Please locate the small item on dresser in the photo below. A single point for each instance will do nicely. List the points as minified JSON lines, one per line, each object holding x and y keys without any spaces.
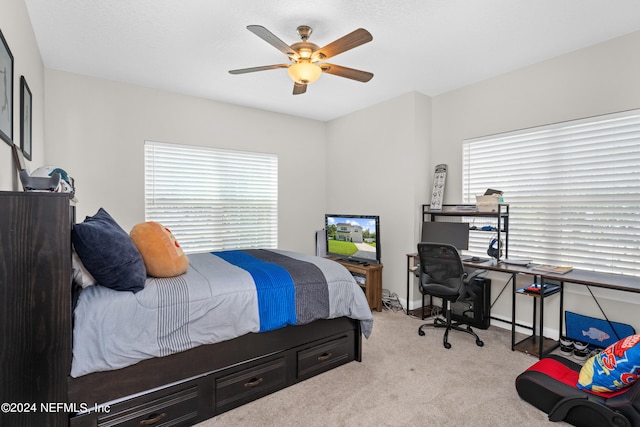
{"x":65,"y":184}
{"x":31,"y":183}
{"x":45,"y":178}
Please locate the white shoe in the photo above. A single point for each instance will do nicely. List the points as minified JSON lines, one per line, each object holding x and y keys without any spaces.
{"x":566,"y":346}
{"x":581,"y":351}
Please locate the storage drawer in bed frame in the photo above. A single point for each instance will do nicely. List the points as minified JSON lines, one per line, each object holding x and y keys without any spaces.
{"x":179,"y":408}
{"x":178,"y":405}
{"x":210,"y":394}
{"x":250,"y":383}
{"x":322,"y":357}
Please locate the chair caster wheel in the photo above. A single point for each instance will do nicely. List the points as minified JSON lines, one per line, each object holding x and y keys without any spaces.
{"x":479,"y":343}
{"x":420,"y":332}
{"x":447,"y":345}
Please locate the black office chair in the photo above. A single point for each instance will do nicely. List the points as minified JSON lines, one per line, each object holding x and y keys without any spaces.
{"x":442,"y":275}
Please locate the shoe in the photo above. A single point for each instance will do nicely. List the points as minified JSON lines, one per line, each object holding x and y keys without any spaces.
{"x":566,"y":346}
{"x":581,"y":351}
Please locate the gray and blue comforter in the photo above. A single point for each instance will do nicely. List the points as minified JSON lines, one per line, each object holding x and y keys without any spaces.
{"x":223,"y":295}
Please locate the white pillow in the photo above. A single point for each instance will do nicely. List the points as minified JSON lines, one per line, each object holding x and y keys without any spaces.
{"x":81,"y":275}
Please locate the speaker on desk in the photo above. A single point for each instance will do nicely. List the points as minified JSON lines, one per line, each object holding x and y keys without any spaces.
{"x":321,"y":243}
{"x":476,"y":311}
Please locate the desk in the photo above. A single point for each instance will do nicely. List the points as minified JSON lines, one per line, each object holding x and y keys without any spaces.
{"x":587,"y":278}
{"x":535,"y":344}
{"x":538,"y":345}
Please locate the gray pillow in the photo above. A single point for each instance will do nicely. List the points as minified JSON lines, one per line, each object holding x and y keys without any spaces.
{"x":108,"y":253}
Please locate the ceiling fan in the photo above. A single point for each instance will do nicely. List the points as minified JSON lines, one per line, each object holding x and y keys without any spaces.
{"x":306,"y":66}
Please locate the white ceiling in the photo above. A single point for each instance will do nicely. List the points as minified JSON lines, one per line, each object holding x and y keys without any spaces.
{"x":429,"y":46}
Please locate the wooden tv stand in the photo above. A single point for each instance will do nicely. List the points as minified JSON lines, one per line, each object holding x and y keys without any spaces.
{"x":372,"y":276}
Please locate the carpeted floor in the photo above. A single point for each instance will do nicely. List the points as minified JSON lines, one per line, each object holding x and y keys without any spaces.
{"x":406,"y":380}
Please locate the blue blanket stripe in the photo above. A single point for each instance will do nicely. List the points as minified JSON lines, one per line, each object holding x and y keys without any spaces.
{"x":275,"y":288}
{"x":312,"y":290}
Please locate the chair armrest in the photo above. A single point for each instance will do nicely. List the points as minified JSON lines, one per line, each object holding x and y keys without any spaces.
{"x":468,"y":277}
{"x":594,"y":403}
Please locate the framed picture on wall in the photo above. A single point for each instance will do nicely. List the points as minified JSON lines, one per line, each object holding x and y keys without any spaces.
{"x":18,"y":158}
{"x":6,"y":91}
{"x":25,"y":118}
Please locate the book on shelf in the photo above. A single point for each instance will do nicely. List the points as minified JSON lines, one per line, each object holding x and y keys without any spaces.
{"x":549,"y":268}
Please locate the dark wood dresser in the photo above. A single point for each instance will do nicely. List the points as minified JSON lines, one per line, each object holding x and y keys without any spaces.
{"x":35,"y":307}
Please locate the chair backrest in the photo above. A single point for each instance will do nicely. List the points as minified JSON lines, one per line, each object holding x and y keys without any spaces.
{"x":441,"y":268}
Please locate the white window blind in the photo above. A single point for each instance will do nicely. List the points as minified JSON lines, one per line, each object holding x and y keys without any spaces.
{"x":573,"y":190}
{"x":212,"y":199}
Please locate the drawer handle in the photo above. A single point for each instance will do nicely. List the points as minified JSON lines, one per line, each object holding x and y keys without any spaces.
{"x":324,"y":356}
{"x":149,"y":421}
{"x":254,"y":382}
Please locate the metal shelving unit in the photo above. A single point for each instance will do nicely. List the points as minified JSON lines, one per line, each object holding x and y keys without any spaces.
{"x":481,"y":223}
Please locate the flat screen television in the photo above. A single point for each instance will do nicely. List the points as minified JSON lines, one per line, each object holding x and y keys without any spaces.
{"x":354,"y":238}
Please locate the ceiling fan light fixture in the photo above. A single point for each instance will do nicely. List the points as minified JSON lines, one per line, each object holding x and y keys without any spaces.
{"x":306,"y":58}
{"x":305,"y":53}
{"x":304,"y":72}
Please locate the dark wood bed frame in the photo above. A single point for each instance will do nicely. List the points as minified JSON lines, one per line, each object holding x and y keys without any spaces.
{"x":180,"y":389}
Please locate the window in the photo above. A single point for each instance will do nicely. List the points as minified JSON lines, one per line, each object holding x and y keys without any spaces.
{"x":573,"y":190}
{"x":212,"y":199}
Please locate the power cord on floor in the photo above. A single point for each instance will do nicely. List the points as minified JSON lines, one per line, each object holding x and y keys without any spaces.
{"x":432,"y":311}
{"x":390,"y":301}
{"x":436,"y":311}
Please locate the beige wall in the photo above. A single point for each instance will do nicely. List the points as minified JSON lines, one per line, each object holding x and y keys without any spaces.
{"x":17,"y":31}
{"x":97,"y":128}
{"x":377,"y":165}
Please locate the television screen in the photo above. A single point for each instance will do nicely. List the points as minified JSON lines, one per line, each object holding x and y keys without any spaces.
{"x":353,"y":238}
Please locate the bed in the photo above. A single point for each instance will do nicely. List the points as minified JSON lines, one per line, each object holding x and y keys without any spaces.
{"x":49,"y":368}
{"x":234,"y":326}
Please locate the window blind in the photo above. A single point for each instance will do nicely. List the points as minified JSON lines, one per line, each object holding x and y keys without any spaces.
{"x":573,"y":190}
{"x":212,"y":199}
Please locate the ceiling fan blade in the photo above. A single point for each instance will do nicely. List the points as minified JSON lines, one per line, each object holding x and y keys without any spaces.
{"x":350,"y":73}
{"x":253,"y":69}
{"x":271,"y":38}
{"x":299,"y":88}
{"x":343,"y":44}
